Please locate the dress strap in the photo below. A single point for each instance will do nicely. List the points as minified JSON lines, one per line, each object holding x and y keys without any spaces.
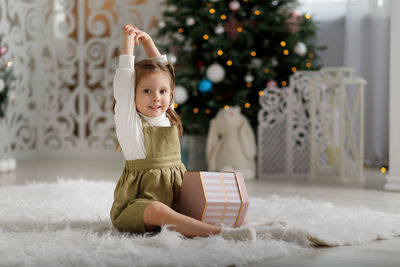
{"x":144,"y":122}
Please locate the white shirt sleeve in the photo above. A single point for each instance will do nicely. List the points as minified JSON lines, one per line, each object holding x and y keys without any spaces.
{"x":127,"y":120}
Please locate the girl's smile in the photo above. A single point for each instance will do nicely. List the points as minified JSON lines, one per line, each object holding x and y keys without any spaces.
{"x":153,"y":94}
{"x":154,"y":108}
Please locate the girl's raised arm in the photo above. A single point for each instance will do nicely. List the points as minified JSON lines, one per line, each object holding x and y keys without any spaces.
{"x":148,"y":44}
{"x":124,"y":93}
{"x":129,"y":38}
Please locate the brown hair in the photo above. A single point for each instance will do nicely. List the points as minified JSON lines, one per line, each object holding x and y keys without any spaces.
{"x":147,"y":66}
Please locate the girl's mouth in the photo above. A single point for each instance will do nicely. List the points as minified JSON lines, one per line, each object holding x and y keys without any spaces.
{"x":154,"y":108}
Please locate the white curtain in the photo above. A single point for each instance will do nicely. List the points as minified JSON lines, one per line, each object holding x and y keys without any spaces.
{"x":356,"y":33}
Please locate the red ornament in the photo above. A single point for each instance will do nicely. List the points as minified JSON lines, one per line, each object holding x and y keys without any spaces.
{"x":293,"y":22}
{"x":199,"y":64}
{"x":231,"y":27}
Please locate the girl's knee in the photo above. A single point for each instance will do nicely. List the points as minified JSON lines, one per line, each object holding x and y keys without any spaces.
{"x":157,"y":208}
{"x":155,"y":214}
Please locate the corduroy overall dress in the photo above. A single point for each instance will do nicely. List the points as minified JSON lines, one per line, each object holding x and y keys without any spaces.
{"x":158,"y":177}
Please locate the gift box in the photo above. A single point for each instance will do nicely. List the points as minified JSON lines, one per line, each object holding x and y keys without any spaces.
{"x":217,"y":198}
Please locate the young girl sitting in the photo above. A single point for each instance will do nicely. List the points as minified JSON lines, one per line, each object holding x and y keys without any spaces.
{"x":146,"y":196}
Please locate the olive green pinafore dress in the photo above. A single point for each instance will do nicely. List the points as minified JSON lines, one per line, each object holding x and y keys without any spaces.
{"x":158,"y":177}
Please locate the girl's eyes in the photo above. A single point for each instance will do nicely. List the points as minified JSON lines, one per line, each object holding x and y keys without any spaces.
{"x":147,"y":91}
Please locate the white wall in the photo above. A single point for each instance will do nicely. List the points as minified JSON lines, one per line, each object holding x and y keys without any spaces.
{"x":356,"y":34}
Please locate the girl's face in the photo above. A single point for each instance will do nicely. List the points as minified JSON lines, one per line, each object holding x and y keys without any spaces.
{"x":153,"y":94}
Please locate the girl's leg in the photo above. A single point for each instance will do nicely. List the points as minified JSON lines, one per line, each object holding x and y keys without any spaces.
{"x":158,"y":214}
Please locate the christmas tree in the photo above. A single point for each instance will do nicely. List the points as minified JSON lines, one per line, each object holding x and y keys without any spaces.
{"x":6,"y":77}
{"x":226,"y":52}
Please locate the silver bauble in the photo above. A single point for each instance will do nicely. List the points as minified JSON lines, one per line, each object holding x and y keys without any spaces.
{"x":181,"y":94}
{"x":215,"y":73}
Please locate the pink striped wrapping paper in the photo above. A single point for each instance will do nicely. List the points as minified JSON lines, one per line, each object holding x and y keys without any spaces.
{"x":218,"y":198}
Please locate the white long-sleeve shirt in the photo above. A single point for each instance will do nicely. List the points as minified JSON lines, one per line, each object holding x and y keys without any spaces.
{"x":127,"y":119}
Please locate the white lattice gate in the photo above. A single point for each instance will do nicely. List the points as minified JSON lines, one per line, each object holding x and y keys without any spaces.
{"x":285,"y":140}
{"x":283,"y":129}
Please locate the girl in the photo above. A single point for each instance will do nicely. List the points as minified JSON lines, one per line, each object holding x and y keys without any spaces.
{"x":146,"y":196}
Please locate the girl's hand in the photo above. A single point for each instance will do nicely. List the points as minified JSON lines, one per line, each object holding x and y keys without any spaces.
{"x":140,"y":36}
{"x":133,"y":36}
{"x":129,"y":31}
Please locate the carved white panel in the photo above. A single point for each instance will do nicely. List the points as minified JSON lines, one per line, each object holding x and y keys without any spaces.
{"x":284,"y":128}
{"x":65,"y":53}
{"x":313,"y":126}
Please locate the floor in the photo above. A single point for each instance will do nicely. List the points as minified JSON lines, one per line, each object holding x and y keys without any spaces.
{"x":368,"y":194}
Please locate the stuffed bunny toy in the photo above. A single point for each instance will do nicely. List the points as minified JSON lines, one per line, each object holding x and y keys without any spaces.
{"x":231,"y":144}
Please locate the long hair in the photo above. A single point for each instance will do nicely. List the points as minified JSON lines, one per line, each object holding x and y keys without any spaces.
{"x":145,"y":67}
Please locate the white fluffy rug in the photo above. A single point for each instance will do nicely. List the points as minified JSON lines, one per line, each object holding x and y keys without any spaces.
{"x":67,"y":224}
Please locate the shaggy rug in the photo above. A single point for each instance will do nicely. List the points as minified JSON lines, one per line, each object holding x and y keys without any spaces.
{"x":67,"y":224}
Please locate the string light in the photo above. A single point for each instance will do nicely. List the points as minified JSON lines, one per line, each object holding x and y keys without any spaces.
{"x":308,"y":64}
{"x":205,"y":37}
{"x":283,"y":83}
{"x":311,"y":55}
{"x":223,"y":17}
{"x":253,"y":53}
{"x":208,"y":4}
{"x":260,"y":93}
{"x":294,"y":69}
{"x":307,"y":16}
{"x":195,"y":110}
{"x":239,"y":29}
{"x":175,"y":105}
{"x":249,"y":85}
{"x":220,"y":52}
{"x":283,"y":43}
{"x":212,"y":10}
{"x":180,"y":30}
{"x":266,"y":70}
{"x":208,"y":111}
{"x":9,"y":64}
{"x":247,"y":105}
{"x":226,"y":107}
{"x":257,"y":12}
{"x":286,"y":52}
{"x":383,"y":169}
{"x":229,"y":63}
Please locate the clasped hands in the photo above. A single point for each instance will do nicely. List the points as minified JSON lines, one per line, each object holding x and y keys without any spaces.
{"x":136,"y":34}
